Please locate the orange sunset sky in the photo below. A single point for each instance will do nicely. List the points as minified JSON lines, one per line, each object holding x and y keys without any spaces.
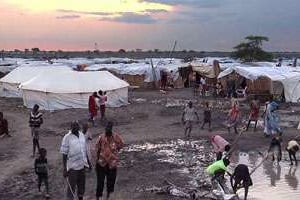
{"x":147,"y":24}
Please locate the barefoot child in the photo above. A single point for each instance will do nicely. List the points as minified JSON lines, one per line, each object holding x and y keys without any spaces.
{"x":292,"y":149}
{"x":35,"y":121}
{"x":188,"y":118}
{"x":41,"y":169}
{"x":206,"y":116}
{"x":241,"y":179}
{"x":220,"y":145}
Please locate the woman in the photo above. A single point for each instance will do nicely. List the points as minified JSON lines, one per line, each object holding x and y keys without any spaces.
{"x":234,"y":117}
{"x":254,"y":113}
{"x":107,"y":148}
{"x":93,"y":107}
{"x":271,"y":120}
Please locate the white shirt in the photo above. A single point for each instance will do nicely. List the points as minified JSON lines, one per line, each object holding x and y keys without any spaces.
{"x":75,"y":149}
{"x":292,"y":144}
{"x":189,"y":114}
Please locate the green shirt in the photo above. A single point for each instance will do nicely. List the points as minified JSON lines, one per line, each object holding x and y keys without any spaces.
{"x":215,"y":167}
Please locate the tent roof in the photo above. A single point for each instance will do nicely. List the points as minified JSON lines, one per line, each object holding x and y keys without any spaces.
{"x":252,"y":73}
{"x":22,"y":74}
{"x":74,"y":82}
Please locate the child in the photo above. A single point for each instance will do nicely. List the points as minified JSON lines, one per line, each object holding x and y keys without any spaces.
{"x":241,"y":178}
{"x":41,"y":169}
{"x":93,"y":107}
{"x":292,"y":149}
{"x":220,"y":145}
{"x":187,"y":118}
{"x":102,"y":100}
{"x":275,"y":149}
{"x":35,"y":121}
{"x":207,"y":116}
{"x":217,"y":170}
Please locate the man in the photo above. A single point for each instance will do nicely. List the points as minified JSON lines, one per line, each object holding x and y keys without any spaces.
{"x":292,"y":148}
{"x":275,"y":149}
{"x":188,"y":118}
{"x":107,"y":148}
{"x":254,"y":112}
{"x":241,"y":179}
{"x":73,"y":148}
{"x":35,"y":122}
{"x":220,"y":145}
{"x":3,"y":126}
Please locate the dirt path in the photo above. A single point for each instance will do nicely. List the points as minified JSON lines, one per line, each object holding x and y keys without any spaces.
{"x":140,"y":122}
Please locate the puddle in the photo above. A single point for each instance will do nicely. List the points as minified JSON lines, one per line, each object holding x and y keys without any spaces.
{"x":271,"y":181}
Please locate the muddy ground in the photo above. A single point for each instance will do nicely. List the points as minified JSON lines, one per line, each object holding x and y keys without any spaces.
{"x":151,"y":117}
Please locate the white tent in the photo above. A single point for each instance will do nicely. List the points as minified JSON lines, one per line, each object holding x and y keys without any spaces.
{"x":9,"y":84}
{"x":288,"y":76}
{"x":71,"y":89}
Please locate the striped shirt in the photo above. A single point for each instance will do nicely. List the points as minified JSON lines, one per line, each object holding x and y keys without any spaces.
{"x":35,"y":119}
{"x":75,"y":149}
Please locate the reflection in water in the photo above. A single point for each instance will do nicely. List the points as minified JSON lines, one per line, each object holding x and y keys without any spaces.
{"x":291,"y":178}
{"x":273,"y":172}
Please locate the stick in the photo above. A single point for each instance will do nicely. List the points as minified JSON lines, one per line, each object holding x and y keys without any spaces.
{"x":233,"y":144}
{"x":72,"y":192}
{"x":262,"y":161}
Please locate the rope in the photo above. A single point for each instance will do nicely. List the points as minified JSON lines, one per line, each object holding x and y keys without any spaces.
{"x":234,"y":143}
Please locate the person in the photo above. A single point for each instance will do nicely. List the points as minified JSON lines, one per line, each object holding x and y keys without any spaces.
{"x":102,"y":101}
{"x":203,"y":85}
{"x":35,"y":122}
{"x":217,"y":170}
{"x":241,"y":178}
{"x":3,"y":126}
{"x":88,"y":141}
{"x":220,"y":145}
{"x":172,"y":76}
{"x":231,"y":88}
{"x":219,"y":89}
{"x":275,"y":148}
{"x":234,"y":117}
{"x":206,"y":116}
{"x":73,"y":149}
{"x":188,"y":118}
{"x":271,"y":119}
{"x":254,"y":112}
{"x":163,"y":79}
{"x":107,"y":148}
{"x":93,"y":107}
{"x":292,"y":148}
{"x":41,"y":170}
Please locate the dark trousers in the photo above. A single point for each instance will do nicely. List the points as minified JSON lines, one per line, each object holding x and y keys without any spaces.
{"x":43,"y":178}
{"x":292,"y":154}
{"x":219,"y":155}
{"x":36,"y":144}
{"x":76,"y":179}
{"x":110,"y":174}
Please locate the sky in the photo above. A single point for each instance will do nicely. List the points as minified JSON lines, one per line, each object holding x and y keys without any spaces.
{"x":203,"y":25}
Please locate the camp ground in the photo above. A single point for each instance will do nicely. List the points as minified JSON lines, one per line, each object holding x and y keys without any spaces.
{"x":157,"y":161}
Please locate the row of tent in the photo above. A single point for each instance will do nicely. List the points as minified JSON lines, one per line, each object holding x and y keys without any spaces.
{"x":60,"y":87}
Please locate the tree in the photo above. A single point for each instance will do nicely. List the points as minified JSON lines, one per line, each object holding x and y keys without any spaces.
{"x":251,"y":49}
{"x":122,"y":51}
{"x":35,"y":49}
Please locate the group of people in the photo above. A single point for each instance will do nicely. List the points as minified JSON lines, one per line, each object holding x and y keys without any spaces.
{"x":167,"y":79}
{"x":75,"y":152}
{"x":97,"y":102}
{"x":240,"y":178}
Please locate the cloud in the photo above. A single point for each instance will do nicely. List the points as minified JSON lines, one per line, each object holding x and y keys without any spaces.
{"x":194,"y":3}
{"x":84,"y":12}
{"x":131,"y":18}
{"x":68,"y":17}
{"x":155,"y":11}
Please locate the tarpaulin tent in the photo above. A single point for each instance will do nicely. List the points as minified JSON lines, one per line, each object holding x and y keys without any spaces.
{"x":71,"y":89}
{"x":288,"y":76}
{"x":9,"y":84}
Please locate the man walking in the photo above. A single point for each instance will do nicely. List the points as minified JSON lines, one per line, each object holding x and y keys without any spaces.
{"x":73,"y":148}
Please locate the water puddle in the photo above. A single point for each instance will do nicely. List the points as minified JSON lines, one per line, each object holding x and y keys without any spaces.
{"x":271,"y":181}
